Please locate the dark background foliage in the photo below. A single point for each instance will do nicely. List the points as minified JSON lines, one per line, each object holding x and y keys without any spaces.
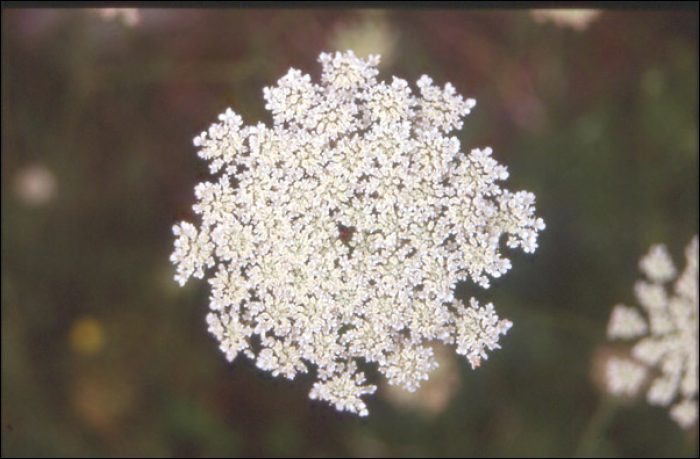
{"x":103,"y":353}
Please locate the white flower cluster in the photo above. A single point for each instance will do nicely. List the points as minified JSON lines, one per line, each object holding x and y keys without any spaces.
{"x":667,"y":349}
{"x":338,"y":234}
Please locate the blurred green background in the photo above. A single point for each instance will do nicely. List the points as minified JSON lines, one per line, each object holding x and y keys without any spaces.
{"x":104,"y":355}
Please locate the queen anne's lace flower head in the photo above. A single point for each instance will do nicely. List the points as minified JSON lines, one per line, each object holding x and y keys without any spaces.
{"x":667,"y":346}
{"x":338,"y":234}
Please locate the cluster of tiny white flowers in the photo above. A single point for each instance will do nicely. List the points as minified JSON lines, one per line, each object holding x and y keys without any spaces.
{"x":667,"y":349}
{"x":338,"y":234}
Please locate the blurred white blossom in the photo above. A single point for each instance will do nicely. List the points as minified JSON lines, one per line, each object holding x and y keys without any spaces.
{"x":130,"y":16}
{"x":35,"y":185}
{"x":667,"y":334}
{"x":434,"y":395}
{"x":577,"y":19}
{"x":337,"y":235}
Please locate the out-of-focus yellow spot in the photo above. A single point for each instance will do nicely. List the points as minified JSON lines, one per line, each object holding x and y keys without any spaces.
{"x":369,"y":33}
{"x":87,"y":336}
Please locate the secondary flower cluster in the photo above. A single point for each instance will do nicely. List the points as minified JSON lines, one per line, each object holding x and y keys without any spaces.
{"x":667,"y":346}
{"x":337,"y":235}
